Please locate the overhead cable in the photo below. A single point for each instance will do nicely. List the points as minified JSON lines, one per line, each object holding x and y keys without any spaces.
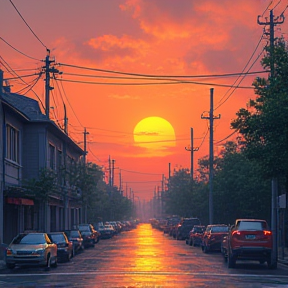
{"x":157,"y":76}
{"x":19,"y":50}
{"x":28,"y":25}
{"x":153,"y":83}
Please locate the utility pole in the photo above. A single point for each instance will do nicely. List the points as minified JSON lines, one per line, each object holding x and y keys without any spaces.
{"x":109,"y":171}
{"x":192,"y":149}
{"x":272,"y":23}
{"x":211,"y":118}
{"x":113,"y":168}
{"x":65,"y":120}
{"x":48,"y":70}
{"x":120,"y":183}
{"x":85,"y":142}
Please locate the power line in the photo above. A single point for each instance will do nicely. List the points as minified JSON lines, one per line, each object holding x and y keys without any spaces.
{"x":19,"y":50}
{"x":140,"y":172}
{"x":226,"y":137}
{"x":221,"y":103}
{"x":157,"y":76}
{"x":153,"y":83}
{"x":28,"y":25}
{"x":71,"y":105}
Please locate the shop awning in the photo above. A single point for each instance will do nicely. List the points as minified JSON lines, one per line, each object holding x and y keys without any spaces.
{"x":19,"y":201}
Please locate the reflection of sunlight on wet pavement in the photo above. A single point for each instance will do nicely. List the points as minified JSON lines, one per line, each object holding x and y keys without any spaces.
{"x":148,"y":251}
{"x":148,"y":258}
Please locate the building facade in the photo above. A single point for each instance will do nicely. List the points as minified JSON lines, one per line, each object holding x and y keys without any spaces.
{"x":35,"y":158}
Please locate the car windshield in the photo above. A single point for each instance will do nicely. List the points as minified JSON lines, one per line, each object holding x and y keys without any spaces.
{"x":74,"y":234}
{"x":198,"y":229}
{"x":57,"y":238}
{"x":251,"y":225}
{"x":29,"y":239}
{"x":220,"y":229}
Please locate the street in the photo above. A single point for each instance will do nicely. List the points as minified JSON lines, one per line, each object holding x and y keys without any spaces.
{"x":145,"y":257}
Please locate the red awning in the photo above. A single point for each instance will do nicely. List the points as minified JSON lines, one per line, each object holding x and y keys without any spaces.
{"x":19,"y":201}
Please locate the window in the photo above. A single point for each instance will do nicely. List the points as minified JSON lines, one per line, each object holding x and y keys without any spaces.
{"x":51,"y":154}
{"x":12,"y":143}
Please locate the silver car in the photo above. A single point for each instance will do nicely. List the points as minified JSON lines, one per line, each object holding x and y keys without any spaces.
{"x":31,"y":249}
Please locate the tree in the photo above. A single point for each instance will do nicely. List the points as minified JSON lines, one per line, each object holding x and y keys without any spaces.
{"x":44,"y":186}
{"x":264,"y":124}
{"x":239,"y":188}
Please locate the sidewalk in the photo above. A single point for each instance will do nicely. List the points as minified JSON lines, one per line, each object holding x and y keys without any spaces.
{"x":283,"y":256}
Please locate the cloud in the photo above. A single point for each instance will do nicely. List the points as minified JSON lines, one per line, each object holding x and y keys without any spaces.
{"x":113,"y":46}
{"x":123,"y":97}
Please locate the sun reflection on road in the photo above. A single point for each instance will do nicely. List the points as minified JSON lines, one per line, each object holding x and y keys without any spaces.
{"x":148,"y":254}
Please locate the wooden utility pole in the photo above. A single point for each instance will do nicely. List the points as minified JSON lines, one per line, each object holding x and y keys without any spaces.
{"x":85,"y":142}
{"x":211,"y":118}
{"x":192,"y":149}
{"x":274,"y":188}
{"x":48,"y":70}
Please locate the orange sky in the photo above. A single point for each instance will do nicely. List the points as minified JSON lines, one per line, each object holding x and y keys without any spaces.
{"x":159,"y":37}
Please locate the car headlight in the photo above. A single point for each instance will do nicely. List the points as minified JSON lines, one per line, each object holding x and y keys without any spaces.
{"x":39,"y":251}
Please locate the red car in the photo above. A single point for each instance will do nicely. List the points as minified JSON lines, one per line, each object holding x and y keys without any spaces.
{"x":250,"y":239}
{"x":196,"y":235}
{"x":212,"y":237}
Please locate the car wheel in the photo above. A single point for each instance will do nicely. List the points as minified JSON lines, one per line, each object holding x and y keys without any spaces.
{"x":73,"y":252}
{"x":231,"y":259}
{"x":69,"y":256}
{"x":48,"y":262}
{"x":10,"y":265}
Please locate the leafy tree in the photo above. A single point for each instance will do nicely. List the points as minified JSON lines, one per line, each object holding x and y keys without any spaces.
{"x":239,"y":188}
{"x":44,"y":186}
{"x":264,"y":124}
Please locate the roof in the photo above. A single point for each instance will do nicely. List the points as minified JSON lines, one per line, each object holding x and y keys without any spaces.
{"x":31,"y":110}
{"x":27,"y":106}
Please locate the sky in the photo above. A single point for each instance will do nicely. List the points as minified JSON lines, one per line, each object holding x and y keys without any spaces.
{"x":120,"y":64}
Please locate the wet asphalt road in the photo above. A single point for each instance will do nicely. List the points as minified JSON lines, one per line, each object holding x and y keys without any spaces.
{"x":144,"y":257}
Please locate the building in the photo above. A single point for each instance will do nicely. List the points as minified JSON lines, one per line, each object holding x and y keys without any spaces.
{"x":35,"y":159}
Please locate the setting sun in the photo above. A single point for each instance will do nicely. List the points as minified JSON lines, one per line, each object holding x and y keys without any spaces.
{"x":155,"y":134}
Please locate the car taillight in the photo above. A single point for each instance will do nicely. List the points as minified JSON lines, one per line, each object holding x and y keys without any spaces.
{"x":267,"y":233}
{"x":236,"y":233}
{"x":8,"y":252}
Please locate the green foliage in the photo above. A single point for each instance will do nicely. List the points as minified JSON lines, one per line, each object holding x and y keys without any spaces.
{"x":185,"y":198}
{"x":44,"y":186}
{"x":264,"y":124}
{"x":239,"y":190}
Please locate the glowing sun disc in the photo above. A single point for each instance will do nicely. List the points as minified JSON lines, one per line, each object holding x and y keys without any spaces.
{"x":155,"y":134}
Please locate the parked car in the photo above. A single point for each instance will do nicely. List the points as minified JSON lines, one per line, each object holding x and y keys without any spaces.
{"x":212,"y":237}
{"x":172,"y":221}
{"x":107,"y":231}
{"x":250,"y":239}
{"x":31,"y":249}
{"x":89,"y":234}
{"x":76,"y":238}
{"x":185,"y":226}
{"x":196,"y":235}
{"x":64,"y":246}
